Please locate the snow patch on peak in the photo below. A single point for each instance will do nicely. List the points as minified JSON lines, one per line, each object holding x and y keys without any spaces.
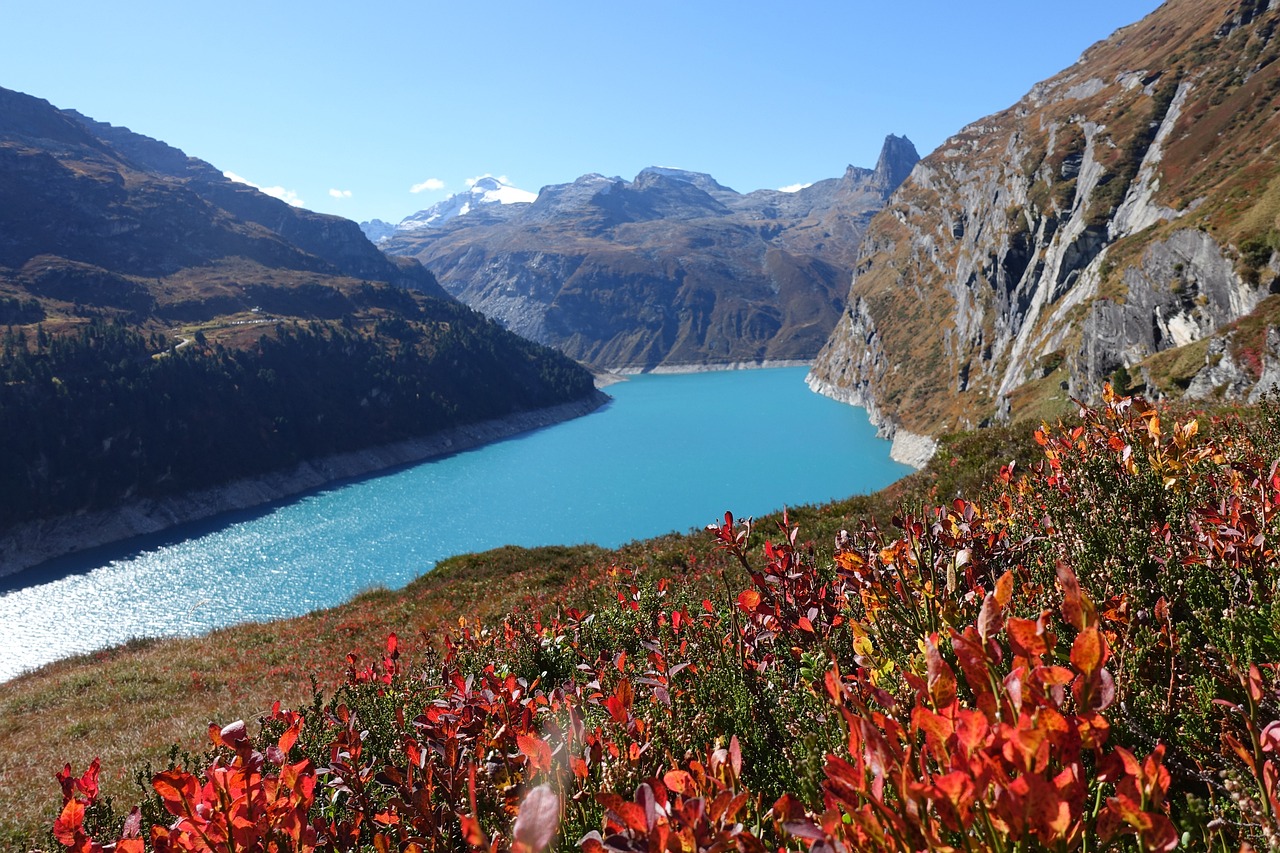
{"x":481,"y":191}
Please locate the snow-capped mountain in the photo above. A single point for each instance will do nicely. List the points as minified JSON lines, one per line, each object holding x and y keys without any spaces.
{"x":485,"y":191}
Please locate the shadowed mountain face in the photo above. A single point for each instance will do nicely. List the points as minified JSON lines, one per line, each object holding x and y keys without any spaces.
{"x":165,"y":329}
{"x":1119,"y":222}
{"x":668,"y":269}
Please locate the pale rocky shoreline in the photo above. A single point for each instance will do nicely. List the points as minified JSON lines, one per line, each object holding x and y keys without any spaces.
{"x":710,"y":368}
{"x":909,"y":448}
{"x":30,"y":544}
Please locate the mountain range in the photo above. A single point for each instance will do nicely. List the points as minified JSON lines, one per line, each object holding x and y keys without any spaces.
{"x":1120,"y":222}
{"x":670,"y":269}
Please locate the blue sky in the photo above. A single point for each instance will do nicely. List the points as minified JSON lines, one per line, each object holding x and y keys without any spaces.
{"x":348,"y":106}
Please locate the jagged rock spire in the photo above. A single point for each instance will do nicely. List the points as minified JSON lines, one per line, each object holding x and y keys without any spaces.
{"x":898,"y":157}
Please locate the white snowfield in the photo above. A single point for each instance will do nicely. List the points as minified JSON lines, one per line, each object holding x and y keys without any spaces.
{"x":486,"y":190}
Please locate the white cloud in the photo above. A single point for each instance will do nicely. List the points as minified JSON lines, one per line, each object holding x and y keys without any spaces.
{"x":340,"y":193}
{"x":794,"y":188}
{"x":287,"y":196}
{"x":502,"y":179}
{"x":429,"y":185}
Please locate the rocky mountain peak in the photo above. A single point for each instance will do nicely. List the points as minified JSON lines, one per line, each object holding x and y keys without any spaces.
{"x":898,"y":156}
{"x":486,"y":184}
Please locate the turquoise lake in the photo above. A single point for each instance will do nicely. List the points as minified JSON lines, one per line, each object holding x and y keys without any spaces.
{"x":671,"y":452}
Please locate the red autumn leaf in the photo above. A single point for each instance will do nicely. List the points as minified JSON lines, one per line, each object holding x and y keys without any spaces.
{"x":537,"y":750}
{"x":88,"y":783}
{"x":130,"y":845}
{"x":1077,"y":609}
{"x":1161,"y":836}
{"x":991,"y":619}
{"x":805,"y":625}
{"x":393,"y":646}
{"x":680,"y":782}
{"x":67,"y":781}
{"x":472,"y":831}
{"x":835,"y":690}
{"x":937,"y":728}
{"x":132,"y":824}
{"x":788,"y":807}
{"x":749,"y":600}
{"x":632,"y":815}
{"x":289,"y":737}
{"x":942,"y":681}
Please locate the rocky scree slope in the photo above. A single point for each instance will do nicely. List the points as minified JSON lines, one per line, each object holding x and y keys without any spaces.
{"x":670,"y":269}
{"x":1121,"y":221}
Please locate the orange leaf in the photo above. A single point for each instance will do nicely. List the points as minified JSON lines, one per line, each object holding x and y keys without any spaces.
{"x":1004,"y":589}
{"x":1026,"y":639}
{"x":680,"y":782}
{"x":69,"y":822}
{"x":1089,"y":651}
{"x":749,"y":600}
{"x":177,"y":787}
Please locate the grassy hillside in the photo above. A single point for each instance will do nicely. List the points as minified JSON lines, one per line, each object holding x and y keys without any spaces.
{"x":1062,"y":641}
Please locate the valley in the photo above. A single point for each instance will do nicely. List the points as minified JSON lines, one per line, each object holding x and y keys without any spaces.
{"x":242,"y":612}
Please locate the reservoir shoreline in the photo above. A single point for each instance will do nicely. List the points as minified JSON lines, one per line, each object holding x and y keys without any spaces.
{"x":32,"y":543}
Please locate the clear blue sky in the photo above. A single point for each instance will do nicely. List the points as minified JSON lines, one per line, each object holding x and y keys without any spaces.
{"x":369,"y":99}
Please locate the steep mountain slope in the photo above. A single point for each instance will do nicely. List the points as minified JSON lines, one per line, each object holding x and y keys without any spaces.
{"x":1119,"y":220}
{"x":166,"y":329}
{"x":669,"y":269}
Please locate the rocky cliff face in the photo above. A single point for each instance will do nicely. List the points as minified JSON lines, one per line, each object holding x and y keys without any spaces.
{"x":671,"y":268}
{"x":1118,"y":214}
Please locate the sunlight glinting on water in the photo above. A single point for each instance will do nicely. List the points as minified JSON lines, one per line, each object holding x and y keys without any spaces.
{"x":671,"y":453}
